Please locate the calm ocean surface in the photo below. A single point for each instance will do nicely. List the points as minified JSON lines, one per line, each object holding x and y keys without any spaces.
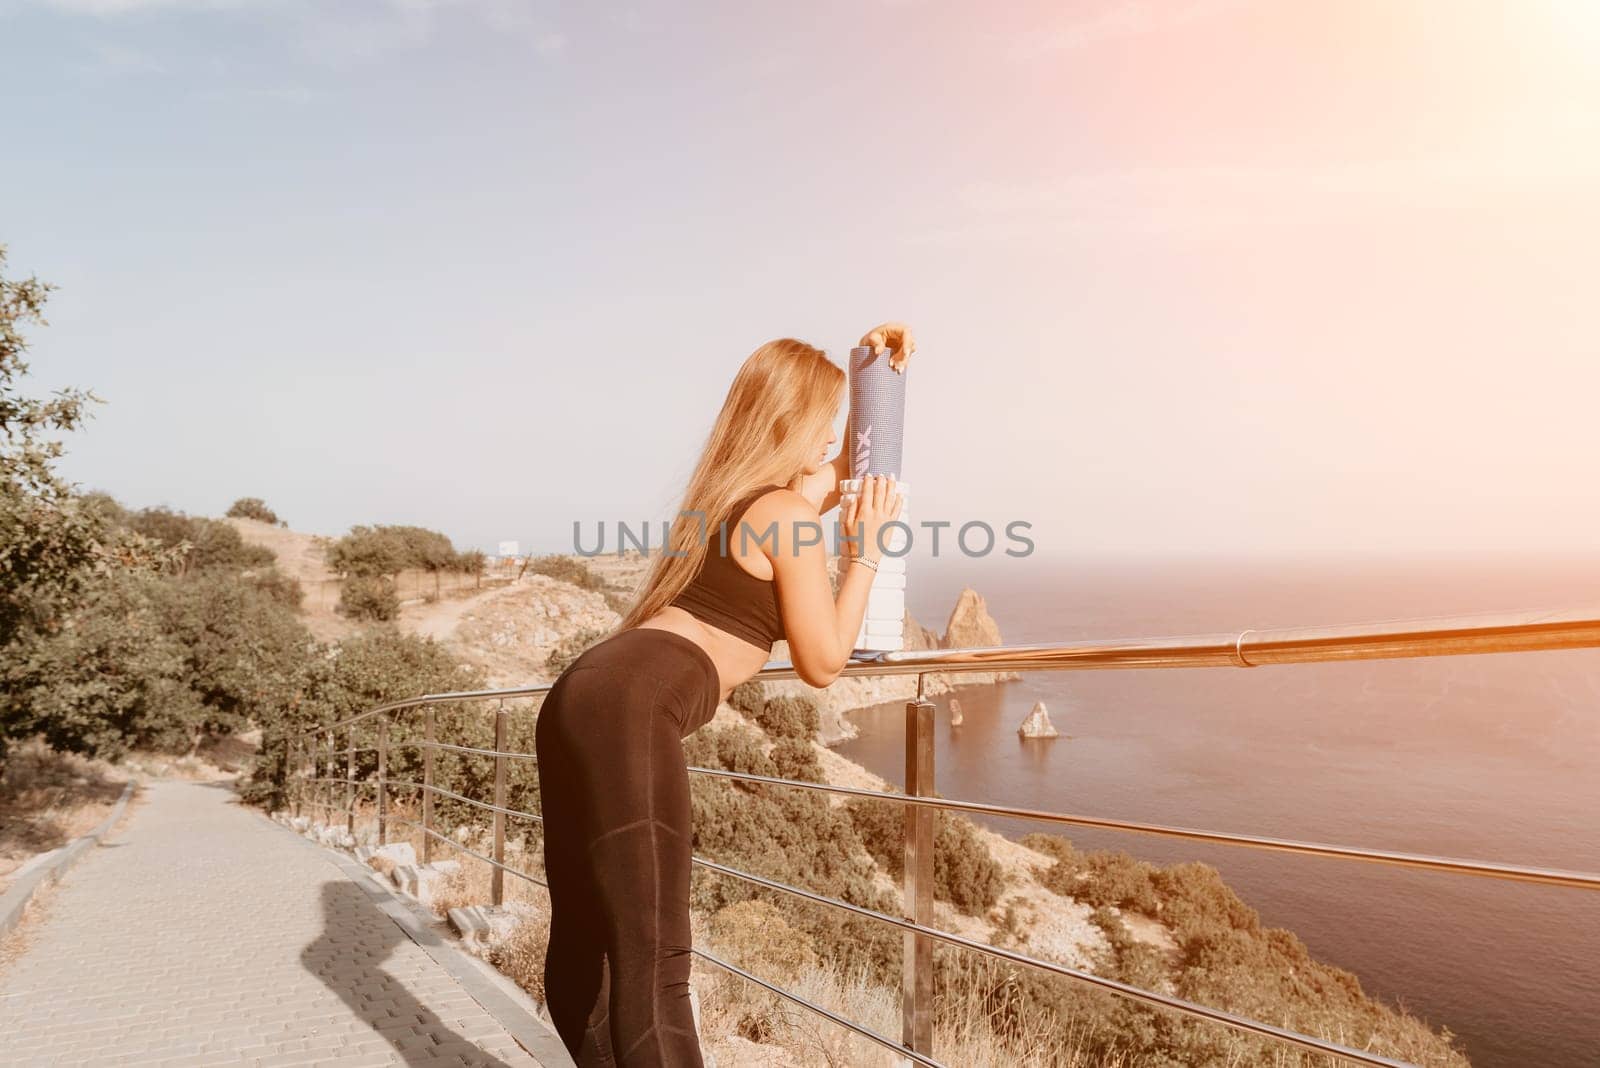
{"x":1493,"y":757}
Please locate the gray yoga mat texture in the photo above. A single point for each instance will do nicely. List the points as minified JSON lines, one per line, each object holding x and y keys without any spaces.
{"x":877,"y":414}
{"x":876,"y":432}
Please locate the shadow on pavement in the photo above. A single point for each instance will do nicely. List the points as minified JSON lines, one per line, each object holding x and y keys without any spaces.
{"x":357,"y":937}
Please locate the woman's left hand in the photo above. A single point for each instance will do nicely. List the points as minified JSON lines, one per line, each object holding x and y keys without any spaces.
{"x":892,"y":335}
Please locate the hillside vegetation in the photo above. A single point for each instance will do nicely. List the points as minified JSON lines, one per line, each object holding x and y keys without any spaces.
{"x":1178,"y":930}
{"x":144,"y":629}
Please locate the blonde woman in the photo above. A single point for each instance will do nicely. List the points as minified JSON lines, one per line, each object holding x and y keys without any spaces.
{"x":612,"y":779}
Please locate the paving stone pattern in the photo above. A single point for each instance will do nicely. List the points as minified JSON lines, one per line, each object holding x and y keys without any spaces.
{"x":203,"y":934}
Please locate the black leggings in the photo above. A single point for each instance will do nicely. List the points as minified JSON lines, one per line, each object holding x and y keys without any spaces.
{"x":615,"y":800}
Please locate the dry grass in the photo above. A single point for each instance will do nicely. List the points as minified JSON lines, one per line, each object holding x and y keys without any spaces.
{"x":981,"y":1020}
{"x":521,"y":954}
{"x":48,"y":798}
{"x":20,"y":938}
{"x":736,"y":1012}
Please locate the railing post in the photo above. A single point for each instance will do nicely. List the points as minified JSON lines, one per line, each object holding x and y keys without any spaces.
{"x":916,"y":1002}
{"x":308,"y":762}
{"x":427,"y":785}
{"x":314,"y":743}
{"x":497,"y":884}
{"x":327,"y":787}
{"x":383,"y":780}
{"x":350,"y":781}
{"x":291,"y":771}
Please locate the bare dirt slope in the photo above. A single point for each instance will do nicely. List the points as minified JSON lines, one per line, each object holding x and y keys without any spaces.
{"x":302,"y":556}
{"x":511,"y":629}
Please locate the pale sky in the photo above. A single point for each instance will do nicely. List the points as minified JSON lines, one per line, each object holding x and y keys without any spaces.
{"x":1236,"y":276}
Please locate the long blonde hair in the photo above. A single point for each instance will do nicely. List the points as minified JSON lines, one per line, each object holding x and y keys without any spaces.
{"x":781,"y":402}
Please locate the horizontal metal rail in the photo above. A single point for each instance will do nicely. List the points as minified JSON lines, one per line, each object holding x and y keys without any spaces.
{"x":1436,"y":636}
{"x":474,"y":803}
{"x":1449,"y":635}
{"x":1150,"y":997}
{"x":446,"y":839}
{"x":453,"y":844}
{"x":1488,"y":869}
{"x":474,"y":750}
{"x":1580,"y":880}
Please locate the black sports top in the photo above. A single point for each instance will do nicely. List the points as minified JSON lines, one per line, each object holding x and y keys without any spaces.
{"x":726,"y":595}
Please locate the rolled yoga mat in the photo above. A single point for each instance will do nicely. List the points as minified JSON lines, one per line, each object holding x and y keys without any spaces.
{"x":877,"y":414}
{"x":875,"y":435}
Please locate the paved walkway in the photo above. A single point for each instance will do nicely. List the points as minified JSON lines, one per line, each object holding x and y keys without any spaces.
{"x":202,"y":933}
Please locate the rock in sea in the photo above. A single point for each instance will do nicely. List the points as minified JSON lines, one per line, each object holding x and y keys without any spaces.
{"x":1037,"y":724}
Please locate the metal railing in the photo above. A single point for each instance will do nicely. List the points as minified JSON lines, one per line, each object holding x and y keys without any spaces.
{"x":1435,"y":636}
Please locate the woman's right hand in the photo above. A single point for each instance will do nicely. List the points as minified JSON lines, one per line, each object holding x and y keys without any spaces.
{"x":868,"y":512}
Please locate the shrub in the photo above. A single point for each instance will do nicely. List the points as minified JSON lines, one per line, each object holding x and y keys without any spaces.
{"x":964,"y":872}
{"x":368,"y":552}
{"x":283,"y":589}
{"x":203,"y":543}
{"x":1195,"y":895}
{"x":472,"y":562}
{"x":1053,"y":845}
{"x":390,"y":549}
{"x":1117,"y":879}
{"x":374,"y":667}
{"x":756,"y":936}
{"x":748,"y":697}
{"x":253,"y":508}
{"x":795,"y":759}
{"x":567,"y":569}
{"x":521,"y":954}
{"x":371,"y":597}
{"x":570,"y":648}
{"x":789,"y":834}
{"x":972,"y":879}
{"x":789,"y":716}
{"x":1100,"y":877}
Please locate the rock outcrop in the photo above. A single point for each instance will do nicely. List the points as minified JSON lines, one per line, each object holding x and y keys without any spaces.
{"x":1037,"y":724}
{"x":970,"y":626}
{"x":483,"y":924}
{"x":512,"y":635}
{"x":956,"y":718}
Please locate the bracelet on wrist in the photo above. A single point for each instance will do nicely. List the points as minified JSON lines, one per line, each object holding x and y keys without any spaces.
{"x":870,"y":563}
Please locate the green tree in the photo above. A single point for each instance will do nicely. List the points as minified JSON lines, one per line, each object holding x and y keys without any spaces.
{"x":54,"y":544}
{"x":244,"y":652}
{"x":106,"y":679}
{"x":369,"y":552}
{"x":377,"y":666}
{"x":48,"y":541}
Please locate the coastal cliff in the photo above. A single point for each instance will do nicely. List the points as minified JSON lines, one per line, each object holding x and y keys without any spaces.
{"x":1178,"y":930}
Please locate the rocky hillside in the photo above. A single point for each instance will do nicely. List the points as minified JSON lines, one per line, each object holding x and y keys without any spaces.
{"x":1178,"y":929}
{"x":511,"y":630}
